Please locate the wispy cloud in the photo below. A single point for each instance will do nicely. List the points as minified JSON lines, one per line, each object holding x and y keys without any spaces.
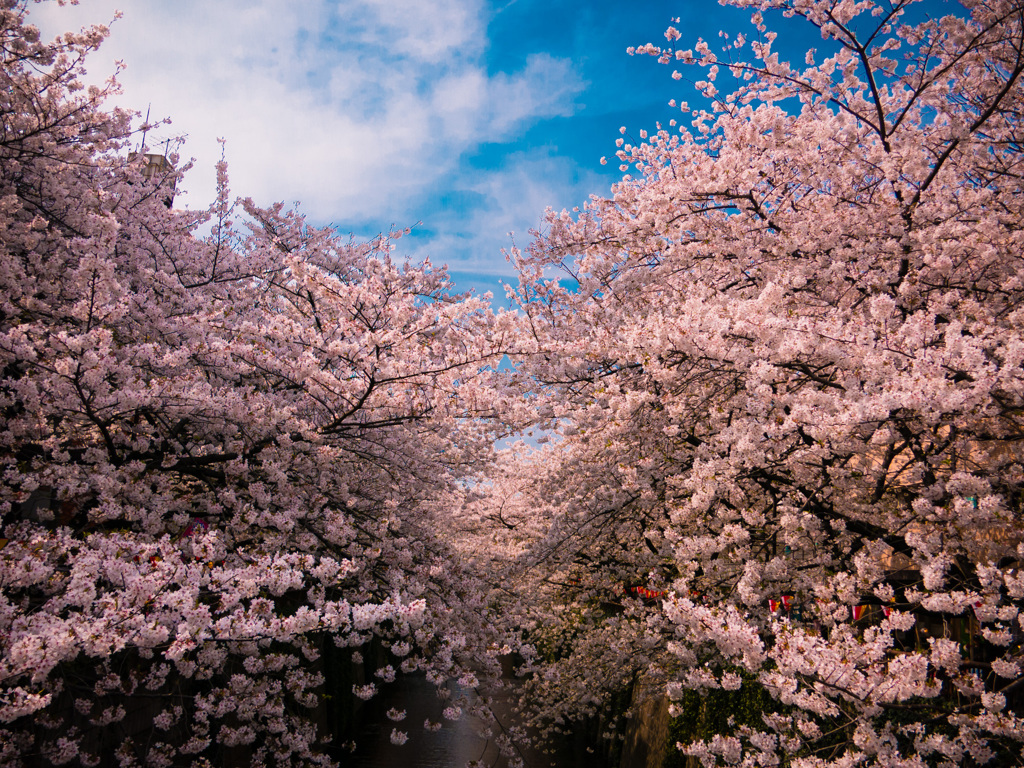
{"x":489,"y":212}
{"x":471,"y":116}
{"x":354,"y":108}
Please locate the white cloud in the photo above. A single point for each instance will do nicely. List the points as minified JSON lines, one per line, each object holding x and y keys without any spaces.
{"x":423,"y":30}
{"x":353,"y":107}
{"x":512,"y":203}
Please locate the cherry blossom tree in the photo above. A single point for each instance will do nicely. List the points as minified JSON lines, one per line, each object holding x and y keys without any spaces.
{"x":784,"y":363}
{"x":231,"y":442}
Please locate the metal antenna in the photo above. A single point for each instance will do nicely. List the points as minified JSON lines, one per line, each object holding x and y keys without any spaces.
{"x":145,"y":128}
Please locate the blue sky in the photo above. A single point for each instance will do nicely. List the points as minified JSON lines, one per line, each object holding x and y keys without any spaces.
{"x":468,"y":116}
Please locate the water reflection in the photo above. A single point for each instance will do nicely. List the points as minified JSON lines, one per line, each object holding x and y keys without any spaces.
{"x":454,"y":745}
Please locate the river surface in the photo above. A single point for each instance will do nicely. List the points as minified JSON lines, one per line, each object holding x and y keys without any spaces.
{"x":454,"y":745}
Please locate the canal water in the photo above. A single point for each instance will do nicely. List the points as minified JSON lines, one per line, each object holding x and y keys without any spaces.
{"x":456,"y":744}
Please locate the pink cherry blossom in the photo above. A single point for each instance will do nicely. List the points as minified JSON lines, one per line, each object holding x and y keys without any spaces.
{"x":785,"y":391}
{"x":233,"y":444}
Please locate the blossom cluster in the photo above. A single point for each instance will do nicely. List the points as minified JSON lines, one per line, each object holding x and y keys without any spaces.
{"x":784,"y":394}
{"x":230,"y":447}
